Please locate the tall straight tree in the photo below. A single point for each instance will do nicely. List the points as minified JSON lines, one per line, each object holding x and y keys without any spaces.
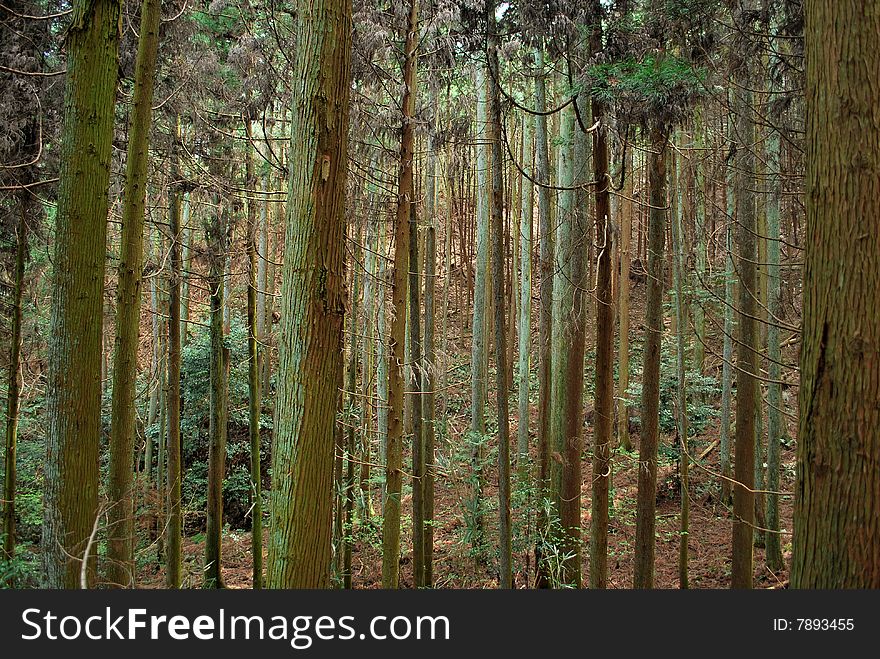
{"x":479,"y":349}
{"x":604,"y":396}
{"x":312,"y":300}
{"x":218,"y":243}
{"x":120,"y":544}
{"x":545,"y":318}
{"x":174,"y":526}
{"x":837,"y":494}
{"x":505,"y":578}
{"x":73,"y":387}
{"x":747,"y":309}
{"x":254,"y":400}
{"x":643,"y":575}
{"x":397,"y":348}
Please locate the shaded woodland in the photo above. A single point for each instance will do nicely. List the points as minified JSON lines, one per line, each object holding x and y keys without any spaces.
{"x":440,"y":293}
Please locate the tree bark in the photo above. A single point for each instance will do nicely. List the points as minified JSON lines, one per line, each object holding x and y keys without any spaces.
{"x":73,"y":387}
{"x":837,"y":493}
{"x":312,"y":301}
{"x":643,"y":575}
{"x":397,"y":350}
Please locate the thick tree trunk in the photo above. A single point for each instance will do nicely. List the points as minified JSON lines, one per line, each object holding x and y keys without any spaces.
{"x":680,"y":388}
{"x":525,"y":304}
{"x":73,"y":387}
{"x":643,"y":575}
{"x":479,"y":349}
{"x":837,"y":495}
{"x":312,"y":301}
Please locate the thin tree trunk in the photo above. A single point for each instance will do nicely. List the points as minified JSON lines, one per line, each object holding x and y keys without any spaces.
{"x":13,"y":389}
{"x":430,"y":363}
{"x":626,"y":215}
{"x":175,"y":329}
{"x":216,"y":238}
{"x":418,"y":438}
{"x":394,"y":457}
{"x":254,"y":400}
{"x":505,"y":579}
{"x":545,"y":325}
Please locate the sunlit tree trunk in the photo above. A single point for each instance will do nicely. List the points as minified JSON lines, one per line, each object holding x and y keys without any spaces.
{"x":479,"y":349}
{"x":545,"y":320}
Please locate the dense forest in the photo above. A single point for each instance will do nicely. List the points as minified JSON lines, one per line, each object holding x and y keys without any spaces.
{"x":440,"y":293}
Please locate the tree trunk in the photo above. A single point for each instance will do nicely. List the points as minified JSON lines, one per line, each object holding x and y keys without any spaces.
{"x":545,"y":320}
{"x":394,"y":450}
{"x":217,"y":246}
{"x":505,"y":578}
{"x":73,"y":387}
{"x":837,"y":495}
{"x":643,"y":575}
{"x":13,"y":391}
{"x":254,"y":400}
{"x":626,"y":215}
{"x":175,"y":329}
{"x":312,"y":301}
{"x":681,"y":388}
{"x":418,"y":437}
{"x":525,"y":304}
{"x":747,"y":313}
{"x":604,"y":393}
{"x":479,"y":349}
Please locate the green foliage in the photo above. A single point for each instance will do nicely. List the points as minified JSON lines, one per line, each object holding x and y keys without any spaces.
{"x":652,"y":88}
{"x":22,"y":570}
{"x":551,"y":540}
{"x":195,"y":398}
{"x":701,"y":391}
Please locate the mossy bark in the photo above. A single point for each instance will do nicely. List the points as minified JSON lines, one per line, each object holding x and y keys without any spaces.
{"x":312,"y":301}
{"x":73,"y":385}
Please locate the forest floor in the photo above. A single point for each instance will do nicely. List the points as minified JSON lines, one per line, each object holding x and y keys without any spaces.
{"x":455,"y":564}
{"x":454,"y":567}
